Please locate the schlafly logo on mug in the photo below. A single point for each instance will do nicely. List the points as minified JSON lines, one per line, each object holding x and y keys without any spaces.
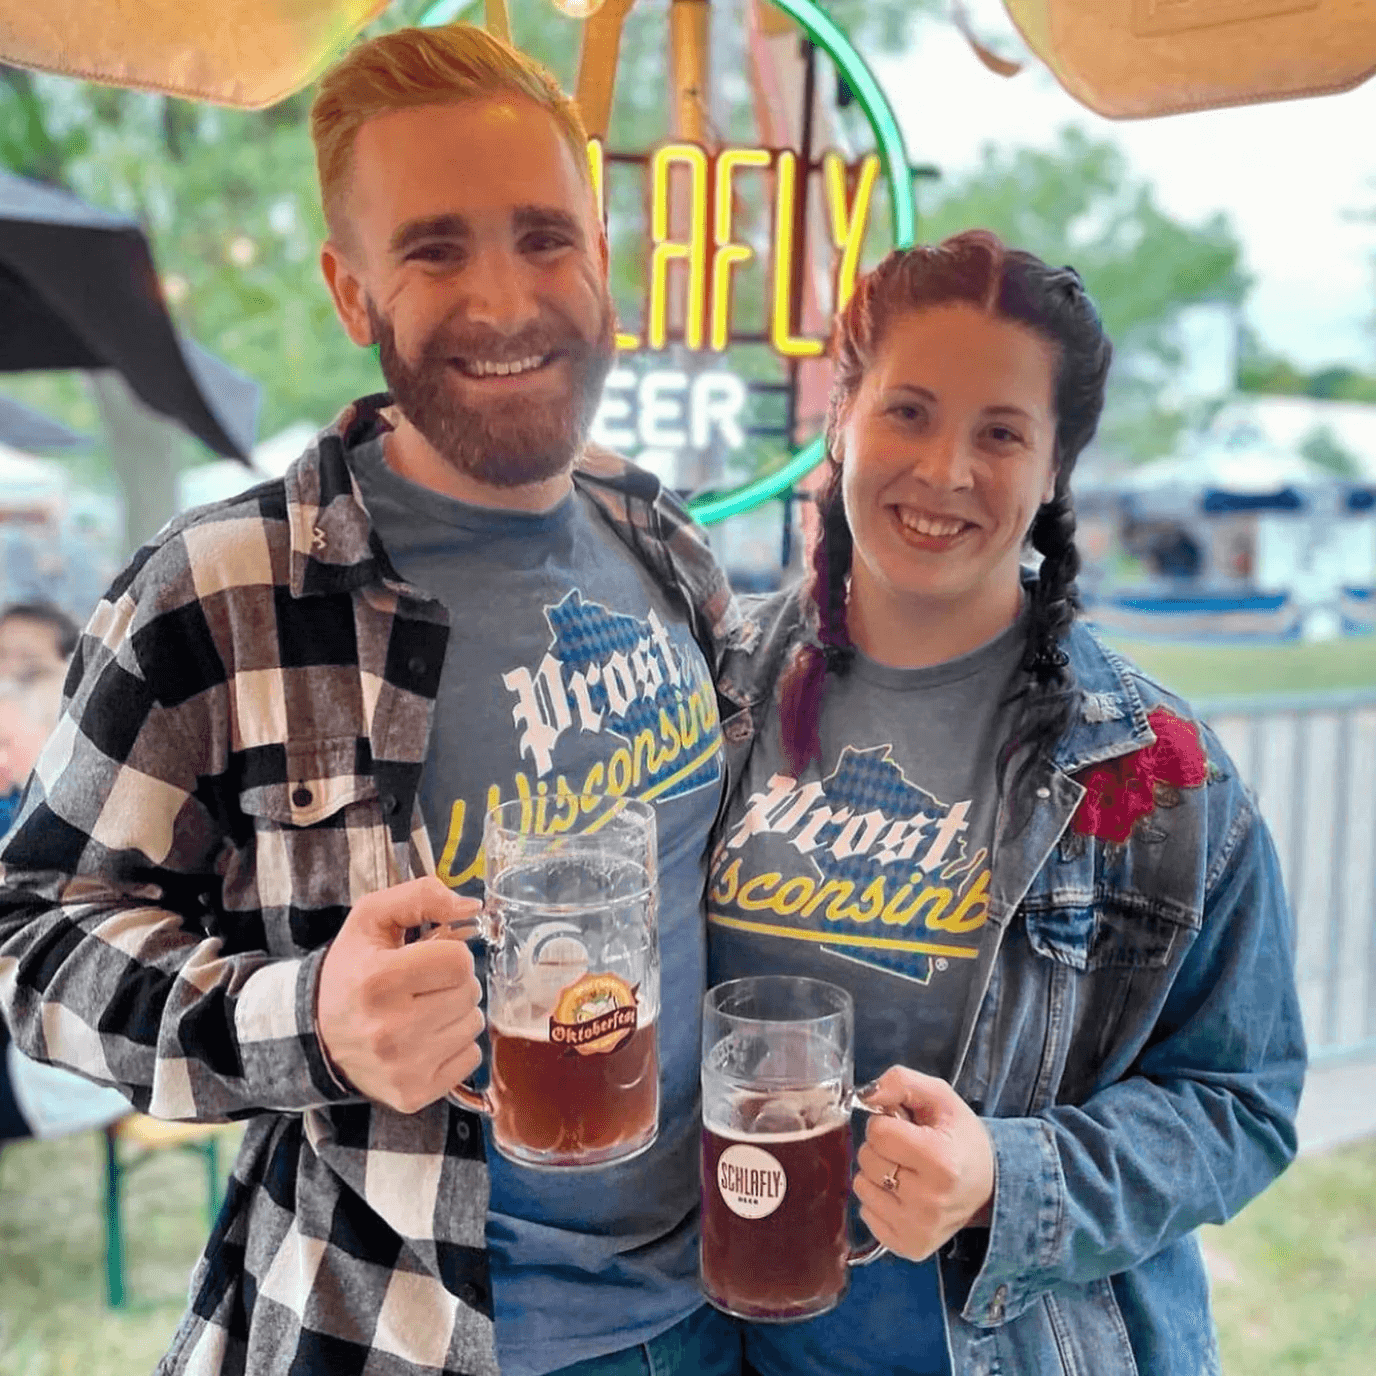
{"x":594,"y":1015}
{"x":751,"y":1181}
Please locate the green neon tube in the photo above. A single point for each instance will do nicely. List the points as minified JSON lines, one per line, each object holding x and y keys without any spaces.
{"x":443,"y":12}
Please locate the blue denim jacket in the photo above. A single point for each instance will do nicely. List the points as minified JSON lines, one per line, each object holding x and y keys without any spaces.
{"x":1132,"y":1040}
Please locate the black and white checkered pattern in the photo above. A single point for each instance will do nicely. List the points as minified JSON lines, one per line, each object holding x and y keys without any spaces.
{"x":237,"y":763}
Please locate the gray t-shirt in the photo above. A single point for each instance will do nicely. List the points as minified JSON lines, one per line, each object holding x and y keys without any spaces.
{"x":565,"y":661}
{"x":872,"y":869}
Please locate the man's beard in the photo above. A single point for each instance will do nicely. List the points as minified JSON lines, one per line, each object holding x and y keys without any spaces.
{"x":503,"y":443}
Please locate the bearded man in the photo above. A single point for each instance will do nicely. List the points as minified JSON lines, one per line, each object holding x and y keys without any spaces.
{"x":289,"y":703}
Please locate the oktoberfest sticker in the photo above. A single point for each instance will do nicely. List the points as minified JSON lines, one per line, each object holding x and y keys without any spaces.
{"x":751,"y":1181}
{"x":594,"y":1015}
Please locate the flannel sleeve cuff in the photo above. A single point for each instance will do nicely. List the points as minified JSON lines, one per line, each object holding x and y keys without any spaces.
{"x":284,"y":1060}
{"x":1025,"y":1225}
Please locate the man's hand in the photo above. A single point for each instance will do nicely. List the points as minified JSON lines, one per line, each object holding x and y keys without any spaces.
{"x":402,"y":1022}
{"x":941,"y":1165}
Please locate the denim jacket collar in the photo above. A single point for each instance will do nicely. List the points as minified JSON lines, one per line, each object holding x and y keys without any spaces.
{"x":1110,"y":719}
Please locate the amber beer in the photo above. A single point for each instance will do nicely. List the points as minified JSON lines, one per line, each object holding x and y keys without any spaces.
{"x":777,"y":1097}
{"x":572,"y":974}
{"x":549,"y":1099}
{"x":774,"y":1238}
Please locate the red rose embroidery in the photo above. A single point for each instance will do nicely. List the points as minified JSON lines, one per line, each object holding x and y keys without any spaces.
{"x":1120,"y":791}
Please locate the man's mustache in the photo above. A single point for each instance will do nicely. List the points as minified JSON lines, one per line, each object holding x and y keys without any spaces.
{"x":491,"y":346}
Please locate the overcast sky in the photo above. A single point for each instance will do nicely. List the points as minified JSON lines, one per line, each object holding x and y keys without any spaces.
{"x":1284,"y":172}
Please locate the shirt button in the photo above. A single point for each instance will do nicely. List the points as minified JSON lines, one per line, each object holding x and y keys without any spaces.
{"x":470,"y":1295}
{"x":461,"y":1130}
{"x":416,"y":665}
{"x":389,"y":803}
{"x":302,"y":797}
{"x":1043,"y":793}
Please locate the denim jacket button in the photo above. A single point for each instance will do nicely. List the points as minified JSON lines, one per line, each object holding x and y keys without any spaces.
{"x":1043,"y":793}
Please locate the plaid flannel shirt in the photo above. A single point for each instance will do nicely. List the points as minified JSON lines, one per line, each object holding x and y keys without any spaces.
{"x":236,"y":765}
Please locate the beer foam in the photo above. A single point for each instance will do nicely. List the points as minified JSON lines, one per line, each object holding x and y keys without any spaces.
{"x":755,"y":1139}
{"x":754,"y":1112}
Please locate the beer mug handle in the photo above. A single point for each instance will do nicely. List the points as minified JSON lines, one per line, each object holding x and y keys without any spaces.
{"x":474,"y":1100}
{"x":862,"y":1256}
{"x":490,"y":929}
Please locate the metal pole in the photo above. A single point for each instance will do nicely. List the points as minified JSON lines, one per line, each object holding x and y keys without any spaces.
{"x":1256,"y":753}
{"x":1337,"y":905}
{"x":114,"y":1223}
{"x":1300,"y":778}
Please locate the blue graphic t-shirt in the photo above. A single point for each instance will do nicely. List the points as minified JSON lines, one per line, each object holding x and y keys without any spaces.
{"x":568,"y":672}
{"x":870,"y":869}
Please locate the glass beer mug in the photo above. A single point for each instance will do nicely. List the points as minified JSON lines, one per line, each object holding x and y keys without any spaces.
{"x":572,"y":981}
{"x":777,"y":1098}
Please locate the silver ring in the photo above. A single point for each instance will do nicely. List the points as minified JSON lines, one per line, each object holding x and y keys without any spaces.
{"x":890,"y":1181}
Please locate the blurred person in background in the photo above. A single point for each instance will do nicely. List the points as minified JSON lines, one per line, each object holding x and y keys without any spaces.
{"x":1036,"y":871}
{"x":36,"y":642}
{"x":35,"y":638}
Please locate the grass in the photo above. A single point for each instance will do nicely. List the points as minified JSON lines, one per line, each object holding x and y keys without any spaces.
{"x":1197,"y":670}
{"x":1294,"y":1274}
{"x":53,"y":1315}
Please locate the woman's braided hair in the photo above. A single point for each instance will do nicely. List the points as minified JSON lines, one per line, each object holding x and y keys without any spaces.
{"x":975,"y":268}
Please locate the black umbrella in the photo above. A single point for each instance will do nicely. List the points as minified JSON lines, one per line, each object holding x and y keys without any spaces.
{"x":78,"y":290}
{"x":22,"y":427}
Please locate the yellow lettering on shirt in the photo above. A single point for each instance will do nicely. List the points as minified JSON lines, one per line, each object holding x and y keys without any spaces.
{"x":746,"y":897}
{"x":971,"y":912}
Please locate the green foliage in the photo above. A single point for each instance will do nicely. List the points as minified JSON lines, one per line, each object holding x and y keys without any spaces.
{"x":1078,"y":203}
{"x":1321,"y":446}
{"x":1259,"y":371}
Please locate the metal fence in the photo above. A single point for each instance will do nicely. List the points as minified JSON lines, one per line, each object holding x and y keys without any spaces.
{"x":1311,"y":759}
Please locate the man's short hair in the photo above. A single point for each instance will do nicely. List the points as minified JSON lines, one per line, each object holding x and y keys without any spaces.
{"x":65,"y":631}
{"x":410,"y":68}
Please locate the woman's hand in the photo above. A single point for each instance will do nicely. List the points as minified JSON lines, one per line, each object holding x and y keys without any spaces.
{"x":921,"y":1182}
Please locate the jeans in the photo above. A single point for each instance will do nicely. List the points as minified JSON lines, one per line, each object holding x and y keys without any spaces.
{"x":706,"y":1343}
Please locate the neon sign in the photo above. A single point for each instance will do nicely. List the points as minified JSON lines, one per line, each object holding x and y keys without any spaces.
{"x":711,"y":254}
{"x":667,"y":409}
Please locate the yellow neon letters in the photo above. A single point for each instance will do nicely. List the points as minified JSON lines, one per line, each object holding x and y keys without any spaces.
{"x":666,"y":250}
{"x":848,"y":223}
{"x":711,"y":252}
{"x":728,"y":252}
{"x":781,"y":335}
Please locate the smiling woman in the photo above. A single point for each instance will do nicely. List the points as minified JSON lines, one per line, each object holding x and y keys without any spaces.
{"x":1060,"y":920}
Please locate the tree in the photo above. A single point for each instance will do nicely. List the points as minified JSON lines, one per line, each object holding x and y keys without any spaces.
{"x":1260,"y":370}
{"x":1078,"y":203}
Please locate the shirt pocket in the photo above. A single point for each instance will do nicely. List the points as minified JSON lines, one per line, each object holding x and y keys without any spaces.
{"x":1114,"y":955}
{"x":1110,"y":933}
{"x":319,"y":844}
{"x":321,"y":777}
